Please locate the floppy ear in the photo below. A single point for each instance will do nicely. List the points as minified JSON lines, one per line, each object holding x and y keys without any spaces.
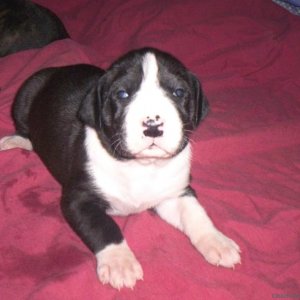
{"x":89,"y":111}
{"x":199,"y":107}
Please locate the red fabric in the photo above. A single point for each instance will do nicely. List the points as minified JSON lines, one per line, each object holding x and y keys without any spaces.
{"x":246,"y":159}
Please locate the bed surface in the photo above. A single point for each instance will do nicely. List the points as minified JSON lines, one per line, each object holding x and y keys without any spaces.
{"x":246,"y":162}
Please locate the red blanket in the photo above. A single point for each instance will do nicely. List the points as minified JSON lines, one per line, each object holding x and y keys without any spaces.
{"x":246,"y":163}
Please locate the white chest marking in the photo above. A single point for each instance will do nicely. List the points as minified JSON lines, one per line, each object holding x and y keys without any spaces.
{"x":135,"y":185}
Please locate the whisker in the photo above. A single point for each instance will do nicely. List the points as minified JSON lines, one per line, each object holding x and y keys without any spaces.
{"x":117,"y":146}
{"x":114,"y":142}
{"x":192,"y":141}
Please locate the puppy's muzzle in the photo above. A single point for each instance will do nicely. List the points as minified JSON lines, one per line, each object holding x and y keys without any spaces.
{"x":153,"y":127}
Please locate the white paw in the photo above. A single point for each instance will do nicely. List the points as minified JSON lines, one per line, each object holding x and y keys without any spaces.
{"x":117,"y":266}
{"x":15,"y":141}
{"x":219,"y":250}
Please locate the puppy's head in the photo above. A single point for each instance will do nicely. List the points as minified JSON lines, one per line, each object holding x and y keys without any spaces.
{"x":145,"y":106}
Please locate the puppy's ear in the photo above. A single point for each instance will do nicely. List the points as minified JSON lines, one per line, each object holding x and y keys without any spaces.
{"x":89,"y":111}
{"x":199,"y":105}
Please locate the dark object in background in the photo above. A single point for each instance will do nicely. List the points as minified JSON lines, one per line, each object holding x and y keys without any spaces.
{"x":26,"y":25}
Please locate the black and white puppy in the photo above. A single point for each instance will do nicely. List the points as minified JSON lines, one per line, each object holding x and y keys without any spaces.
{"x":118,"y":142}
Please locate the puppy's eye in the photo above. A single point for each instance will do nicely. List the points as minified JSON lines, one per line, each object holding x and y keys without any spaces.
{"x":122,"y":94}
{"x":179,"y":93}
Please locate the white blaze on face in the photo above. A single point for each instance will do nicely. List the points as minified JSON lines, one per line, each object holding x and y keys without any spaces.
{"x":150,"y":101}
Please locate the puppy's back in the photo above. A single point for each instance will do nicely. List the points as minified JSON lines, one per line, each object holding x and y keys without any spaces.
{"x":24,"y":98}
{"x":46,"y":111}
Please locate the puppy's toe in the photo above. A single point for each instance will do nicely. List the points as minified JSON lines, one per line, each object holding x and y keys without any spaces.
{"x":219,"y":250}
{"x":118,"y":266}
{"x":15,"y":141}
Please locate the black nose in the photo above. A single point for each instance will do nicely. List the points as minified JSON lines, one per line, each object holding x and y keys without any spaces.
{"x":152,"y":128}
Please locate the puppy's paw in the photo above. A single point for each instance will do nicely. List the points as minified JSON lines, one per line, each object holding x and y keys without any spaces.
{"x":219,"y":250}
{"x":117,"y":266}
{"x":15,"y":141}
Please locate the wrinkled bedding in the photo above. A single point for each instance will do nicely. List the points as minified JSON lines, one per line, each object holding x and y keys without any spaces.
{"x":246,"y":161}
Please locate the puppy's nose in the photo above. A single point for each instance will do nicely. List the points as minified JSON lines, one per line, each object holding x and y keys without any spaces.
{"x":152,"y":127}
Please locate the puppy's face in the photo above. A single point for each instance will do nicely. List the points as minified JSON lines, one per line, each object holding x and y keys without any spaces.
{"x":145,"y":106}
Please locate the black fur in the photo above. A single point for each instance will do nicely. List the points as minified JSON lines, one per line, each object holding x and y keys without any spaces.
{"x":45,"y":111}
{"x":53,"y":107}
{"x":126,"y":73}
{"x":25,"y":25}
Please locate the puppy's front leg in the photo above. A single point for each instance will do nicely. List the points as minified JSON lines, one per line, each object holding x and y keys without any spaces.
{"x":116,"y":263}
{"x":186,"y":214}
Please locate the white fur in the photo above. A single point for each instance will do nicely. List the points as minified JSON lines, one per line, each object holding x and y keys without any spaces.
{"x":156,"y":175}
{"x":186,"y":214}
{"x":117,"y":265}
{"x":135,"y":185}
{"x":157,"y":178}
{"x":151,"y":101}
{"x":15,"y":141}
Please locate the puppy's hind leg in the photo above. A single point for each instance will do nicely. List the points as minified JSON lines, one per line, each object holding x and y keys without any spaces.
{"x":21,"y":109}
{"x":15,"y":141}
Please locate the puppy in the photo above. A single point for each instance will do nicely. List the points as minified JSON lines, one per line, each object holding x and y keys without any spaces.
{"x":118,"y":142}
{"x":25,"y":25}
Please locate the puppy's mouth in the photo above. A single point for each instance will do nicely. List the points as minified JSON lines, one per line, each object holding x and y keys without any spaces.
{"x":153,"y":150}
